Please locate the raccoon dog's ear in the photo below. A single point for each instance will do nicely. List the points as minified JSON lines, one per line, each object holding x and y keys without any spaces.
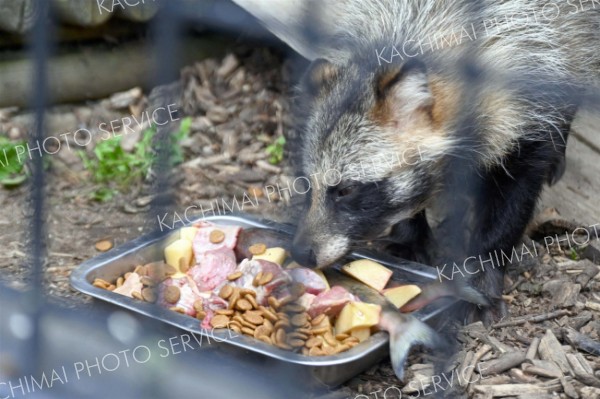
{"x":319,"y":76}
{"x":403,"y":92}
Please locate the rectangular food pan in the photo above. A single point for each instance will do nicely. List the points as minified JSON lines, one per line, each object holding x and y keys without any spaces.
{"x":328,"y":370}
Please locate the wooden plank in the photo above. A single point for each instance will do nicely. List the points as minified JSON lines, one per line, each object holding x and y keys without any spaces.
{"x":577,"y":195}
{"x":81,"y":12}
{"x":96,"y":73}
{"x":17,"y":15}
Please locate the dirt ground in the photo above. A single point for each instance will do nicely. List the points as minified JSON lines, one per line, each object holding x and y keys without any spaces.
{"x":239,"y":105}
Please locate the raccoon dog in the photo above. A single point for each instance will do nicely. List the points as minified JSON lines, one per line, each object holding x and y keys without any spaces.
{"x":404,"y":120}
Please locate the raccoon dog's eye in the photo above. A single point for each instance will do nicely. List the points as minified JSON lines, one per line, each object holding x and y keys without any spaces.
{"x":345,"y":191}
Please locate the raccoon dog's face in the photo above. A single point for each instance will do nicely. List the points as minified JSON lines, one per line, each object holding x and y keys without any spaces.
{"x":371,"y":148}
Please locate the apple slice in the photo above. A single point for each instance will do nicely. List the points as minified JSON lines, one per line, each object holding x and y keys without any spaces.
{"x":362,"y":333}
{"x":188,"y":233}
{"x":400,"y":296}
{"x":357,"y":315}
{"x":369,"y":272}
{"x":275,"y":255}
{"x":179,"y":249}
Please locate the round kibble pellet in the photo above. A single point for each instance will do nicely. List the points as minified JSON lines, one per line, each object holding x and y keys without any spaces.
{"x":298,"y":335}
{"x":172,"y":294}
{"x":219,"y":321}
{"x":253,"y":318}
{"x":234,"y":276}
{"x":330,"y":339}
{"x":104,"y":245}
{"x":252,"y":301}
{"x":200,"y":315}
{"x":283,"y":345}
{"x":315,"y":351}
{"x":282,"y":324}
{"x":148,"y":294}
{"x":285,"y":300}
{"x":314,"y":341}
{"x":243,"y":304}
{"x":226,"y":291}
{"x":248,"y":331}
{"x":268,"y":314}
{"x":295,"y":343}
{"x":343,"y":348}
{"x":198,"y":305}
{"x":273,"y":302}
{"x":247,"y":291}
{"x":266,"y":278}
{"x":147,"y":281}
{"x":305,"y":331}
{"x":321,"y":330}
{"x":137,"y":295}
{"x":257,"y":249}
{"x":297,"y":290}
{"x":267,"y":323}
{"x":329,"y":350}
{"x":216,"y":236}
{"x":299,"y":319}
{"x":233,"y":299}
{"x":294,"y":308}
{"x":317,"y":320}
{"x":262,"y":330}
{"x":257,"y":279}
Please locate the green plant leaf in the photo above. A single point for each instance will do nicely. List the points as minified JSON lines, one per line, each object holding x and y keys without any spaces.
{"x":275,"y":150}
{"x":12,"y":169}
{"x":117,"y":169}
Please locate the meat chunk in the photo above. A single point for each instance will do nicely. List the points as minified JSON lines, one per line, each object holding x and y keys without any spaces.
{"x":212,"y":268}
{"x":331,"y":302}
{"x":312,"y":281}
{"x":210,"y":303}
{"x":188,"y":294}
{"x":306,"y":300}
{"x":131,"y":284}
{"x":250,"y":268}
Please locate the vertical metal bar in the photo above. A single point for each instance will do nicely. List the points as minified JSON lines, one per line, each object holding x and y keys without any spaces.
{"x":40,"y":39}
{"x":165,"y":49}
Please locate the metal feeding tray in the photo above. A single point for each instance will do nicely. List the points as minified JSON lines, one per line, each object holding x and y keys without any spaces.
{"x":328,"y":370}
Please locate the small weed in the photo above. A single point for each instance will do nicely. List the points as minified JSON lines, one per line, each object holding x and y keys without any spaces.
{"x":574,"y":255}
{"x":275,"y":150}
{"x":12,"y":172}
{"x":116,"y":169}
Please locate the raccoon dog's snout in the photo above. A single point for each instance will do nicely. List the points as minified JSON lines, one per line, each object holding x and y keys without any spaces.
{"x":303,"y":250}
